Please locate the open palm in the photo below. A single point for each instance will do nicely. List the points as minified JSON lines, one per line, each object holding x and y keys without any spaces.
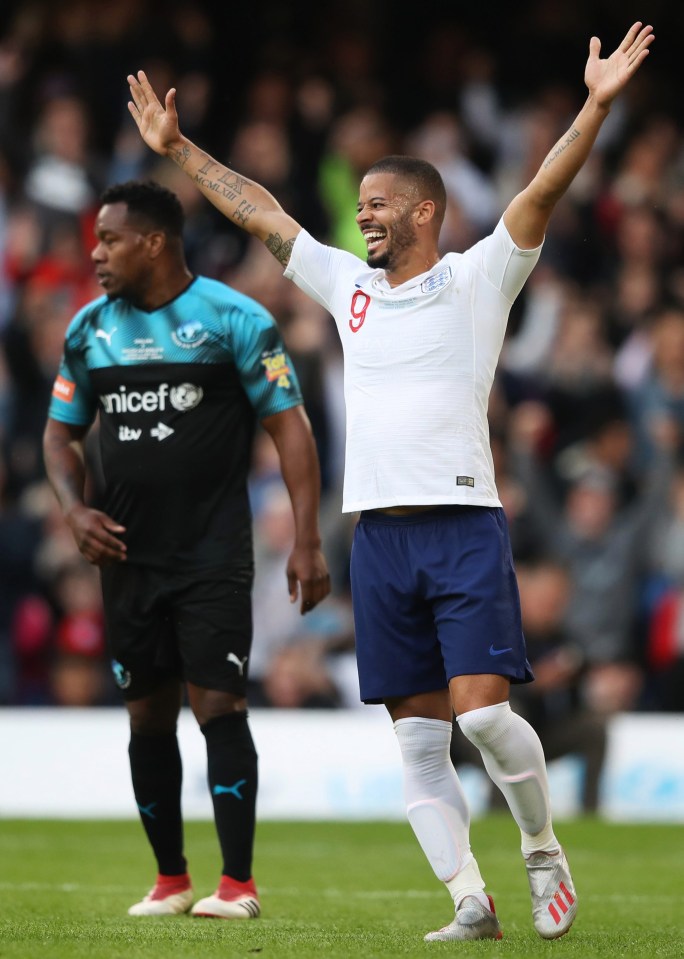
{"x":606,"y":78}
{"x":158,"y":125}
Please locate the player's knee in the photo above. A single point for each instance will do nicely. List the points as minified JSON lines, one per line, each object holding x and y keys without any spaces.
{"x":157,"y":712}
{"x":210,"y":704}
{"x":230,"y":732}
{"x":424,"y":743}
{"x":483,"y":727}
{"x":144,"y":723}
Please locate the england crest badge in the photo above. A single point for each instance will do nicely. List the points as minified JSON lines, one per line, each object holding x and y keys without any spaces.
{"x":436,"y":281}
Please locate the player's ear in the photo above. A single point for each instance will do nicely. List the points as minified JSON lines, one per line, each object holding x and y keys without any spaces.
{"x":156,"y":243}
{"x":425,"y":211}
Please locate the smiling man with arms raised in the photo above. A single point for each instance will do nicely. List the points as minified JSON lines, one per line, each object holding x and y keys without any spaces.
{"x":435,"y":598}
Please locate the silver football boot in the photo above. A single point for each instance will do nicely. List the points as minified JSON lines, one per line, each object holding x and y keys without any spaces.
{"x":554,"y":900}
{"x":472,"y":921}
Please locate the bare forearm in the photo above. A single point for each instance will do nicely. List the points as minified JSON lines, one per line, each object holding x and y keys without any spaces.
{"x":605,"y":79}
{"x":301,"y":474}
{"x":307,"y":570}
{"x":529,"y":212}
{"x":249,"y":205}
{"x":66,"y":473}
{"x":291,"y":433}
{"x":245,"y":203}
{"x":568,"y":155}
{"x":96,"y":534}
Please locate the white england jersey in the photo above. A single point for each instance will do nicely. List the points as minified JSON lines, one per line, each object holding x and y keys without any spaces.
{"x":419,"y":362}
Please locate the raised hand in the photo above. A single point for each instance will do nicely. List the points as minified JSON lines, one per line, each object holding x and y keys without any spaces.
{"x":158,"y":125}
{"x":606,"y":78}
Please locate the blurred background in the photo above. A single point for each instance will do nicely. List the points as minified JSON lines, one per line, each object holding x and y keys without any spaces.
{"x":587,"y":412}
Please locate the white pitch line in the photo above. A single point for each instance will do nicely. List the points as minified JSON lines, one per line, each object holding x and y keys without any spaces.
{"x":330,"y":893}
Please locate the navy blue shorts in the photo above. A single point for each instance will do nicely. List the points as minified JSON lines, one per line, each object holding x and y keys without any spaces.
{"x":435,"y":596}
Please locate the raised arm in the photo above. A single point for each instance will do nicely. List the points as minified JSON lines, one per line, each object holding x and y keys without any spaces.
{"x":246,"y":203}
{"x":529,"y":212}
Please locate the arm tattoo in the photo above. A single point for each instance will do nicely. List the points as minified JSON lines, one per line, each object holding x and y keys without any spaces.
{"x":281,"y":249}
{"x":572,"y":135}
{"x":230,"y":179}
{"x":180,"y":157}
{"x":243,"y":212}
{"x":229,"y":185}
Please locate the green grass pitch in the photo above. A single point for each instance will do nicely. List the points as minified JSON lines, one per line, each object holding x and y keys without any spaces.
{"x":337,"y":890}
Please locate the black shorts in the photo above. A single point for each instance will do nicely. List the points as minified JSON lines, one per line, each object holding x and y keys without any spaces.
{"x":194,"y":626}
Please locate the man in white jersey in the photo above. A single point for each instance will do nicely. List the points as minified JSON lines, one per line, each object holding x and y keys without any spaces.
{"x":435,"y":599}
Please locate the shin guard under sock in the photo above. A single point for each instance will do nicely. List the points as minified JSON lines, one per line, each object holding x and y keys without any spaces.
{"x":514,"y":759}
{"x":436,"y":805}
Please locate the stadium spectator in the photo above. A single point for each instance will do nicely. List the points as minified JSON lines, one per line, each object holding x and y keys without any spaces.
{"x":79,"y":676}
{"x":295,"y":662}
{"x":601,"y":539}
{"x":357,"y":138}
{"x":665,"y":649}
{"x":473,"y":202}
{"x":660,"y":394}
{"x":64,"y":177}
{"x":31,"y":552}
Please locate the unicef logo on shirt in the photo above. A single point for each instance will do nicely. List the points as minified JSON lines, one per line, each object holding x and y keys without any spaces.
{"x":189,"y":335}
{"x":186,"y":396}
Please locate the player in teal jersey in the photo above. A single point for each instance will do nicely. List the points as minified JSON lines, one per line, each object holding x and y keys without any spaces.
{"x":180,"y":369}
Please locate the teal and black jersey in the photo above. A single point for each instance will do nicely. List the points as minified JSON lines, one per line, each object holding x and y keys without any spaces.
{"x":178,"y":391}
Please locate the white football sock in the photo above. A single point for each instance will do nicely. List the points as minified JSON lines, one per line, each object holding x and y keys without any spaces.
{"x":514,"y":758}
{"x":436,"y":805}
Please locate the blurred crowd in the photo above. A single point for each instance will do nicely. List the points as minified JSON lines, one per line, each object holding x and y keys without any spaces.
{"x":587,"y":412}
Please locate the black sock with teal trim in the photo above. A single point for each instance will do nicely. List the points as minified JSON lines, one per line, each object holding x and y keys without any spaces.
{"x":157,"y":776}
{"x":232,"y":774}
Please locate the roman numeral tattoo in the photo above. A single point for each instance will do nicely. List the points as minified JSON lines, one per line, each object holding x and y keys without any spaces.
{"x":230,"y":180}
{"x":229,"y":186}
{"x":560,"y":147}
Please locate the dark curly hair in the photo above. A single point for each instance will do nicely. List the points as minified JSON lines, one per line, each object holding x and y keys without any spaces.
{"x":149,"y":203}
